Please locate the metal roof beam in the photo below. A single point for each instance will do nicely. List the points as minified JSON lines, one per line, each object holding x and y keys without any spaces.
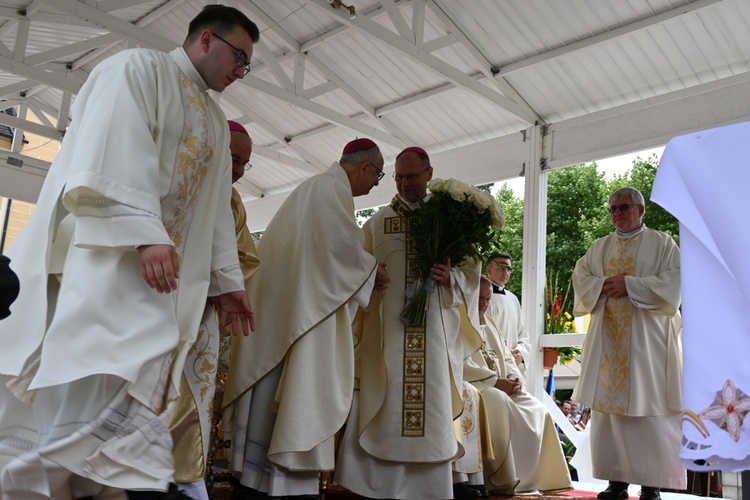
{"x":38,"y":75}
{"x":368,"y":108}
{"x":115,"y":24}
{"x":314,"y":165}
{"x":17,"y":87}
{"x":73,"y":49}
{"x":29,"y":126}
{"x":605,"y":36}
{"x":320,"y":110}
{"x":427,"y":60}
{"x":486,"y":67}
{"x":394,"y":13}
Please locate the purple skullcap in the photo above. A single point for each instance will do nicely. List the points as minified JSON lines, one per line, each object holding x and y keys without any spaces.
{"x":414,"y":149}
{"x":358,"y":145}
{"x":236,"y":127}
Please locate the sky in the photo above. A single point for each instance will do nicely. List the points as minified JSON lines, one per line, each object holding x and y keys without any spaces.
{"x":611,"y":167}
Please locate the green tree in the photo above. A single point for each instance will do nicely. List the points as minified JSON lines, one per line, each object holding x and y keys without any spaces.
{"x":510,"y":238}
{"x":362,"y":215}
{"x":576,"y":207}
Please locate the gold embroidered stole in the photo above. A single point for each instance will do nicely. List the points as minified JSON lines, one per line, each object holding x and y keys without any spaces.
{"x":413,"y":390}
{"x":613,"y":384}
{"x":191,"y":418}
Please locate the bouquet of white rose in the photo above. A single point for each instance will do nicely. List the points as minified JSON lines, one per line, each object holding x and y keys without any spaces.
{"x":456,"y":222}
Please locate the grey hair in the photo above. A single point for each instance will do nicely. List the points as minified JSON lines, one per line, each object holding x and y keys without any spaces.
{"x":629,"y":192}
{"x":232,"y":132}
{"x":358,"y":157}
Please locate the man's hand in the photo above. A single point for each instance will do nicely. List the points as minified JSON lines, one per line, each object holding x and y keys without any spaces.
{"x":160,"y":267}
{"x":517,"y":356}
{"x":234,"y":308}
{"x":614,"y":287}
{"x":509,"y":387}
{"x":382,"y":280}
{"x":441,"y":273}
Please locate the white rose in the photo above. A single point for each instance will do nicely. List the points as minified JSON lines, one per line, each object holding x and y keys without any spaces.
{"x":456,"y":189}
{"x":483,"y":200}
{"x":436,"y":185}
{"x":498,"y":217}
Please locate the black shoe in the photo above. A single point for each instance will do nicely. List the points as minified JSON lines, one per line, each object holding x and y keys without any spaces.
{"x":615,"y":491}
{"x":174,"y":493}
{"x":242,"y":492}
{"x":648,"y":493}
{"x":462,"y":491}
{"x":483,"y":493}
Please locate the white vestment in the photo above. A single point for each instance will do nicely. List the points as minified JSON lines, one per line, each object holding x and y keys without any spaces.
{"x":97,"y":352}
{"x":631,"y":363}
{"x":290,"y":383}
{"x":702,"y":180}
{"x":409,"y":378}
{"x":506,"y":311}
{"x":520,"y":425}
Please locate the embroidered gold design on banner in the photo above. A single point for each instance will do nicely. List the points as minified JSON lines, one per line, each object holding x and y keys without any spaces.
{"x":613,"y":385}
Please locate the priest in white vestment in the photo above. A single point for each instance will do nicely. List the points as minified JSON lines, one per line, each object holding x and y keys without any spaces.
{"x":505,"y":310}
{"x":631,"y":365}
{"x":190,"y":422}
{"x":116,"y":267}
{"x":399,"y":441}
{"x":523,"y":432}
{"x":290,"y":383}
{"x":702,"y":180}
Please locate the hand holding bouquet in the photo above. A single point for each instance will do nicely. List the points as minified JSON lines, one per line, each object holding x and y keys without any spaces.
{"x":455,"y":223}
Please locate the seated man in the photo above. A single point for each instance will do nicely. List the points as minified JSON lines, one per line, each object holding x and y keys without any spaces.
{"x":539,"y":460}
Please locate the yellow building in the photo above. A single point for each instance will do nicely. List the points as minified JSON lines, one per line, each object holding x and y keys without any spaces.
{"x":15,"y":213}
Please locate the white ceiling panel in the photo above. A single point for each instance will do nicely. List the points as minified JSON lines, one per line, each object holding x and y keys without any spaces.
{"x":463,"y":73}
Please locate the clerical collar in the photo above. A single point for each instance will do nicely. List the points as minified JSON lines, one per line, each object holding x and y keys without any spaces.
{"x":411,"y":205}
{"x":631,"y":233}
{"x":498,"y":289}
{"x":186,"y":66}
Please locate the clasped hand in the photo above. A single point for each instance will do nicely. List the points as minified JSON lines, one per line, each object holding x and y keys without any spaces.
{"x":511,"y":387}
{"x":614,"y":287}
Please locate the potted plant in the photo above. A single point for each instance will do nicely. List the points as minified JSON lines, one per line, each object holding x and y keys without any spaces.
{"x":558,"y":319}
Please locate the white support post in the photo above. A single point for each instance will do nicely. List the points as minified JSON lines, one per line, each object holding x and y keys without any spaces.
{"x":534,"y":255}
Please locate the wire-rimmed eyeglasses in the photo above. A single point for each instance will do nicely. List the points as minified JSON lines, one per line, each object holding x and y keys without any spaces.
{"x":236,"y":162}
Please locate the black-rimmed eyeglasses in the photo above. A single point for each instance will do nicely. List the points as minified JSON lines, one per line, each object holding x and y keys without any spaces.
{"x":241,"y":58}
{"x":623,"y":207}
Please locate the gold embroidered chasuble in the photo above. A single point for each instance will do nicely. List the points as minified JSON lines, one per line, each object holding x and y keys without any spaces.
{"x":410,"y":377}
{"x":629,"y":337}
{"x":103,"y":197}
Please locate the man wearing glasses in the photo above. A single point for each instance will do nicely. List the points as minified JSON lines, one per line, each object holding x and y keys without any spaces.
{"x":131,"y":234}
{"x":290,"y":384}
{"x":505,"y":309}
{"x":631,"y":373}
{"x":400,"y":440}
